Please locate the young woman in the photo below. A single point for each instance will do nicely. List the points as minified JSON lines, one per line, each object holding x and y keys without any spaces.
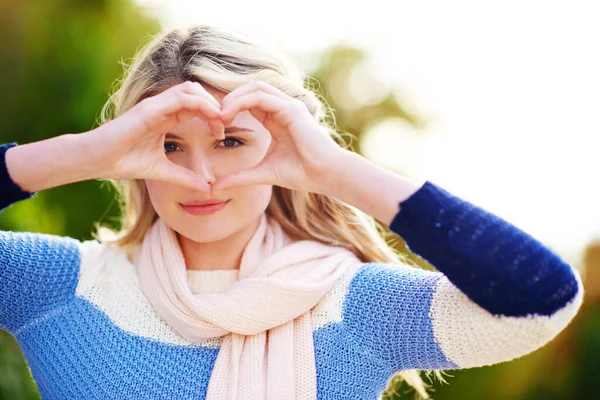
{"x":248,"y":264}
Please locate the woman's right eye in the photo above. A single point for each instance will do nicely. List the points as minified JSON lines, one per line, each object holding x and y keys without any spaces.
{"x":172,"y":144}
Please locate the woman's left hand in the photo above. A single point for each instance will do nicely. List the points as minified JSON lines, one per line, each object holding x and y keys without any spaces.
{"x":302,"y":154}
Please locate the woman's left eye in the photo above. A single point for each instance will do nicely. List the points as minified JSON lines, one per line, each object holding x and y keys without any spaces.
{"x":230,"y":142}
{"x":176,"y":146}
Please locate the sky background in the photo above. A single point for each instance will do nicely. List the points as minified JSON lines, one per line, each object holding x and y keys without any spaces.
{"x":512,"y":90}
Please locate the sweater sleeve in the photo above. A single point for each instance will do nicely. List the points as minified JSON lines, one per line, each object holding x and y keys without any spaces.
{"x":38,"y":272}
{"x":498,"y":293}
{"x":10,"y":192}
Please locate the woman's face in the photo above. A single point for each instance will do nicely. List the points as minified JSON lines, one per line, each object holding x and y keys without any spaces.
{"x":245,"y":145}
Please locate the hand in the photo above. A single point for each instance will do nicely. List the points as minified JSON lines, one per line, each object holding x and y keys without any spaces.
{"x":302,"y":152}
{"x":132,"y":145}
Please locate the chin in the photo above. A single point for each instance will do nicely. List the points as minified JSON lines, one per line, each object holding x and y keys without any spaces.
{"x":207,"y":232}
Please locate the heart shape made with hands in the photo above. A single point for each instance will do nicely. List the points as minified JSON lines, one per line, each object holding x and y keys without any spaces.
{"x":302,"y":154}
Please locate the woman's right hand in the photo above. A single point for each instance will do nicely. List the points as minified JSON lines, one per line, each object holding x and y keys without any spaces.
{"x":131,"y":146}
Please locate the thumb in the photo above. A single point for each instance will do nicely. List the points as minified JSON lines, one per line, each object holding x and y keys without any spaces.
{"x":174,"y":173}
{"x":256,"y":176}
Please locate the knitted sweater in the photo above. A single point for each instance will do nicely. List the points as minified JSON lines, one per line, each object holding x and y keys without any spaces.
{"x":87,"y":331}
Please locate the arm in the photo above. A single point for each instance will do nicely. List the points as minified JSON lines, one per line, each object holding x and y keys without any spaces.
{"x":52,"y":162}
{"x":38,"y":272}
{"x":500,"y":293}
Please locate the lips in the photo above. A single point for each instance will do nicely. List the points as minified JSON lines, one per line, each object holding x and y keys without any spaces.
{"x":205,"y":207}
{"x":206,"y":202}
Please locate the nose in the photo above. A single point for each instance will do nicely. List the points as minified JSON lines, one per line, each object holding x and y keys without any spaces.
{"x":203,"y":167}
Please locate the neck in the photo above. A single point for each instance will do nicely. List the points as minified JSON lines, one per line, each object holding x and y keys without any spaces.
{"x":218,"y":255}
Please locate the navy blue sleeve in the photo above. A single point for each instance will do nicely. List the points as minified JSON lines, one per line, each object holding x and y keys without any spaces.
{"x":497,"y":265}
{"x":10,"y":192}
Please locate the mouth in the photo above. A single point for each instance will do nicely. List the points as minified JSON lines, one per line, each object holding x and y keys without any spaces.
{"x":205,"y":209}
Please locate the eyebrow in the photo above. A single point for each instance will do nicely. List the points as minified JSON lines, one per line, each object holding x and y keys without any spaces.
{"x":228,"y":129}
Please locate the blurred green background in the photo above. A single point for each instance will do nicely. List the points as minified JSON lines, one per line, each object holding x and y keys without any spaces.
{"x":59,"y":59}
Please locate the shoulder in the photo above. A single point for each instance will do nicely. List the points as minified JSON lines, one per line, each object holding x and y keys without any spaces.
{"x":38,"y":272}
{"x":102,"y":261}
{"x":92,"y":251}
{"x":368,"y":286}
{"x":37,"y":255}
{"x":380,"y":293}
{"x":26,"y":242}
{"x":392,"y":278}
{"x":37,"y":249}
{"x":368,"y":281}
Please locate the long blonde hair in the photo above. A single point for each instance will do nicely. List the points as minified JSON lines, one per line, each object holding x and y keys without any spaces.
{"x":226,"y":60}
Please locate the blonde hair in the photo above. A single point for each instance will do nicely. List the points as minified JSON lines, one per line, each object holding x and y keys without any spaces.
{"x":226,"y":60}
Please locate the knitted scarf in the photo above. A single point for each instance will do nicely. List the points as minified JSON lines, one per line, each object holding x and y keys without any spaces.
{"x":265,"y":316}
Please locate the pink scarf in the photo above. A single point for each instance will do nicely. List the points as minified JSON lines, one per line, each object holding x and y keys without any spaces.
{"x":268,"y":350}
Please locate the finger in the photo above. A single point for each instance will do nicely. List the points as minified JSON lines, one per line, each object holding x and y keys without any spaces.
{"x":255,"y":176}
{"x":159,"y":108}
{"x":197,"y":88}
{"x":217,"y":129}
{"x":258,"y":99}
{"x":198,"y":104}
{"x":173,"y":173}
{"x":251,"y":87}
{"x":193,"y":87}
{"x":163,"y":114}
{"x":194,"y":105}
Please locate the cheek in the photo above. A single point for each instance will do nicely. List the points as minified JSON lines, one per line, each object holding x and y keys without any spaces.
{"x":253,"y":200}
{"x":161,"y":194}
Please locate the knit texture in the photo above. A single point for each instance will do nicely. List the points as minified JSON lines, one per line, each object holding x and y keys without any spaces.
{"x":201,"y":281}
{"x":87,"y":331}
{"x":265,"y":318}
{"x":10,"y":192}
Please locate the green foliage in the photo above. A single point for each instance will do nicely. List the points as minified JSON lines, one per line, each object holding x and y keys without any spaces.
{"x":58,"y":60}
{"x":15,"y":380}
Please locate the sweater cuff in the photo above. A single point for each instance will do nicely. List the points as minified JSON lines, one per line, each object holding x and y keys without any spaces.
{"x":10,"y":192}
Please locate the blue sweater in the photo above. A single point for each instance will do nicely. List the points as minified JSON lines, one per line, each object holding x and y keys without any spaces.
{"x":87,"y":331}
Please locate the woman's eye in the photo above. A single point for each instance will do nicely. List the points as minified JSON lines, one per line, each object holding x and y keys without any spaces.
{"x":173,"y":145}
{"x":230,"y":142}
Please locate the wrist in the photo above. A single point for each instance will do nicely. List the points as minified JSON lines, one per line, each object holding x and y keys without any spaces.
{"x":368,"y":186}
{"x":337,"y":179}
{"x":90,"y":145}
{"x":348,"y":175}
